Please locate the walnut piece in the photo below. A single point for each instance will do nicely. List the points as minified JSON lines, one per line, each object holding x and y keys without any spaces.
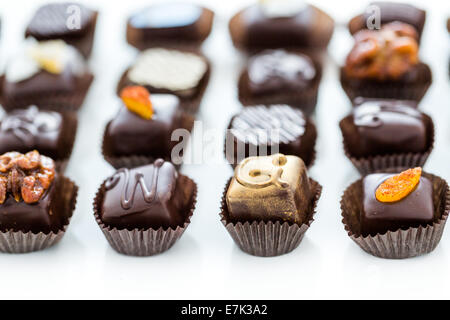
{"x":383,"y":54}
{"x":25,"y":176}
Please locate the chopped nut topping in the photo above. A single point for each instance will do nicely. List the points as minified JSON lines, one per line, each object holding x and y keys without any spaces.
{"x":383,"y":54}
{"x":25,"y":176}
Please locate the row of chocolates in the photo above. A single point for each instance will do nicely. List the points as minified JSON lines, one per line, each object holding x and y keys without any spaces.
{"x":267,"y":206}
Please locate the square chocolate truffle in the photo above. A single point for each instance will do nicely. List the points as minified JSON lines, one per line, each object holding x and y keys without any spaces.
{"x":281,"y":24}
{"x":169,"y":25}
{"x":266,"y":130}
{"x":51,"y":133}
{"x":383,"y":127}
{"x":29,"y":194}
{"x":415,"y":209}
{"x":50,"y":74}
{"x":273,"y":188}
{"x":181,"y":73}
{"x":72,"y":22}
{"x":132,"y":133}
{"x":389,"y":12}
{"x":281,"y":77}
{"x":151,"y":196}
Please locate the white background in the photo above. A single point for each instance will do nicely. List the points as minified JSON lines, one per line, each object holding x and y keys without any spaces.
{"x":205,"y":263}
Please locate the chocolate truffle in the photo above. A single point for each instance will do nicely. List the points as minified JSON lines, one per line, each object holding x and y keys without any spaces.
{"x":181,"y":73}
{"x":133,"y":133}
{"x":386,"y":127}
{"x":265,"y":130}
{"x":273,"y":188}
{"x":411,"y":211}
{"x":281,"y":77}
{"x":151,"y":196}
{"x":385,"y":64}
{"x":169,"y":25}
{"x":388,"y":12}
{"x":51,"y":133}
{"x":70,"y":21}
{"x":29,"y":193}
{"x":281,"y":24}
{"x":49,"y":74}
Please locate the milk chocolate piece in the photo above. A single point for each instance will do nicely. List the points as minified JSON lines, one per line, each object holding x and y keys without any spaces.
{"x":129,"y":134}
{"x":280,"y":77}
{"x":70,"y":21}
{"x":273,"y":188}
{"x":264,"y":130}
{"x":51,"y":133}
{"x":253,"y":29}
{"x":169,"y":25}
{"x":151,"y":196}
{"x":412,"y":211}
{"x":381,"y":127}
{"x":390,"y":12}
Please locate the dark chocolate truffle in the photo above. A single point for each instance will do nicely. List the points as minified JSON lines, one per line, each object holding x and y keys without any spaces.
{"x":70,"y":21}
{"x":389,"y":12}
{"x":29,"y":194}
{"x":281,"y":77}
{"x":412,"y":211}
{"x":151,"y":196}
{"x":265,"y":130}
{"x":287,"y":24}
{"x":169,"y":25}
{"x":181,"y":73}
{"x":51,"y":133}
{"x":382,"y":127}
{"x":130,"y":134}
{"x":49,"y":74}
{"x":385,"y":64}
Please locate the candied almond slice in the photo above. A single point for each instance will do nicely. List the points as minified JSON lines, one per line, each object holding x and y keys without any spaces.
{"x":399,"y":186}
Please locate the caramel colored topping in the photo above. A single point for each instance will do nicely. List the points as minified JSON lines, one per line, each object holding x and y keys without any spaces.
{"x":383,"y":54}
{"x":25,"y":176}
{"x":137,"y":100}
{"x":50,"y":55}
{"x":398,"y":187}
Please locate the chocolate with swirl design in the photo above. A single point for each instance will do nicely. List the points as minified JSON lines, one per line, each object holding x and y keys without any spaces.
{"x":51,"y":133}
{"x":261,"y":130}
{"x":150,"y":196}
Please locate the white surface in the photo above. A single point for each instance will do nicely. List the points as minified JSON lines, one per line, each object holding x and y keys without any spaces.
{"x":205,"y":263}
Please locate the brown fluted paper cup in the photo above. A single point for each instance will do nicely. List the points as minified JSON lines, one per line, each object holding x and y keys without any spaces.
{"x":398,"y":244}
{"x":269,"y":239}
{"x":142,"y":242}
{"x":22,"y":242}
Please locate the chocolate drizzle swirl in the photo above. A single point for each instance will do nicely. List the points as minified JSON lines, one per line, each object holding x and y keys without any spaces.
{"x":27,"y":125}
{"x":126,"y":200}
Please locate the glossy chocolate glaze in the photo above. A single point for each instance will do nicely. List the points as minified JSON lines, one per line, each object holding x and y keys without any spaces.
{"x":150,"y":196}
{"x":412,"y":211}
{"x":273,"y":71}
{"x":48,"y":132}
{"x":168,"y":23}
{"x":129,"y":134}
{"x":251,"y":128}
{"x":379,"y":127}
{"x":389,"y":12}
{"x":37,"y":217}
{"x":252,"y":29}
